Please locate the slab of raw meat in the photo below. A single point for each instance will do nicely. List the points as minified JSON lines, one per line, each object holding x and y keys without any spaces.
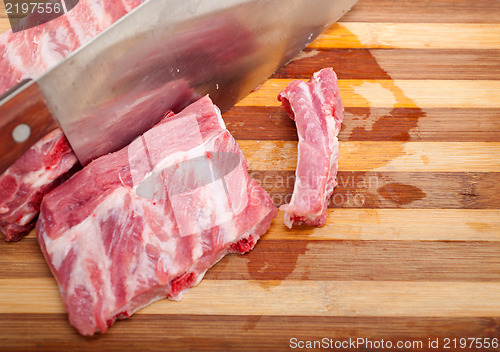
{"x":148,"y":221}
{"x":27,"y":54}
{"x":318,"y":112}
{"x":43,"y":167}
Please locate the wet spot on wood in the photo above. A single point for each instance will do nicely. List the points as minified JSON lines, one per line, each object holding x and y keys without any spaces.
{"x":251,"y":322}
{"x":269,"y":265}
{"x":401,"y":194}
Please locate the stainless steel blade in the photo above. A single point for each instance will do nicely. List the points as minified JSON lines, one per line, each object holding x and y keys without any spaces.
{"x":167,"y":53}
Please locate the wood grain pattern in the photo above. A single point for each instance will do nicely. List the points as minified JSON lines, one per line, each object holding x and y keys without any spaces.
{"x":28,"y":108}
{"x":378,"y":254}
{"x":396,"y":189}
{"x":248,"y":332}
{"x":4,"y":23}
{"x":398,"y":224}
{"x":410,"y":250}
{"x":396,"y":93}
{"x":317,"y":298}
{"x":438,"y":11}
{"x":375,"y":260}
{"x":375,"y":64}
{"x":407,"y":35}
{"x":374,"y":124}
{"x":3,"y":13}
{"x":383,"y":156}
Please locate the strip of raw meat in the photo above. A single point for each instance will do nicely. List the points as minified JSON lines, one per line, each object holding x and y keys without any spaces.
{"x":43,"y":167}
{"x":148,"y":221}
{"x":317,"y":109}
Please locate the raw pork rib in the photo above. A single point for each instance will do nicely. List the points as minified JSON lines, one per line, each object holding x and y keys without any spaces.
{"x":27,"y":54}
{"x":43,"y":167}
{"x":148,"y":221}
{"x":317,"y":109}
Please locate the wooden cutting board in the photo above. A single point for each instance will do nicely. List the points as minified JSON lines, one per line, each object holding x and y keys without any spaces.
{"x":411,"y":250}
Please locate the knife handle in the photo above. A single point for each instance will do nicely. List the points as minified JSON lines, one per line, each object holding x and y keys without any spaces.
{"x":24,"y":120}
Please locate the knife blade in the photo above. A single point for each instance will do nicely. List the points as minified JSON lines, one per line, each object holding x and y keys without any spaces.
{"x":161,"y":56}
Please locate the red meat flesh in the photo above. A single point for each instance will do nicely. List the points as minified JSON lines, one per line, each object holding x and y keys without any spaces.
{"x":148,"y":221}
{"x":317,"y":109}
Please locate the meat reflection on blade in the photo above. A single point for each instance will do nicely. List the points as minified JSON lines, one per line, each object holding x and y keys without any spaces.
{"x":134,"y":81}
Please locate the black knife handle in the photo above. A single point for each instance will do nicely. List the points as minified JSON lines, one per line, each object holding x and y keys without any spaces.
{"x":24,"y":120}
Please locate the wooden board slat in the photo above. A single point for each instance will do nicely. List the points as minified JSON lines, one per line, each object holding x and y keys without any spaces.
{"x":415,"y":261}
{"x":4,"y":24}
{"x":408,"y":35}
{"x":437,"y":11}
{"x":398,"y":224}
{"x":3,"y":12}
{"x":396,"y":189}
{"x":398,"y":64}
{"x":374,"y":124}
{"x":360,"y":228}
{"x":419,"y":251}
{"x":49,"y":332}
{"x":383,"y":156}
{"x":396,"y":93}
{"x":317,"y":298}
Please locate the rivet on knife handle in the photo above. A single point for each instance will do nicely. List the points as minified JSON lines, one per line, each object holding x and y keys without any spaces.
{"x":24,"y":119}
